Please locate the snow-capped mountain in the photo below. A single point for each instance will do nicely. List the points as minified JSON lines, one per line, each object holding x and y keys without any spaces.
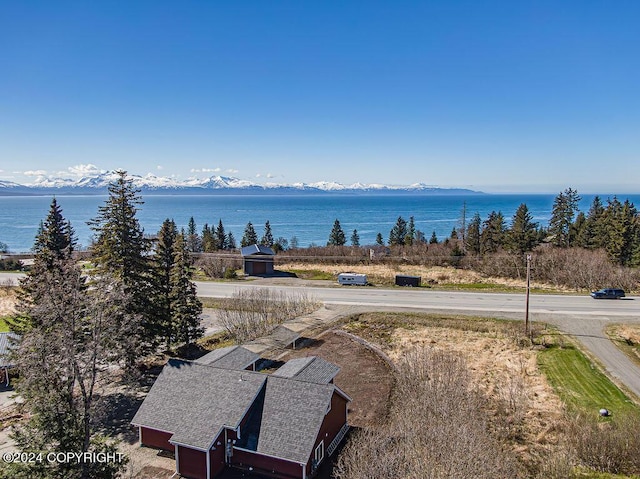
{"x":98,"y":183}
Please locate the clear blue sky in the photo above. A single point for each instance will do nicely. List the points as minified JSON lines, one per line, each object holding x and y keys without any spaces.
{"x":531,"y":96}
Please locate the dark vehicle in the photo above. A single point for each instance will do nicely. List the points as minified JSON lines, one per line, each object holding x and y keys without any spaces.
{"x":608,"y":293}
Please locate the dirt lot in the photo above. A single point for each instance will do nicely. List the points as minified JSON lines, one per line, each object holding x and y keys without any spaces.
{"x":363,"y":375}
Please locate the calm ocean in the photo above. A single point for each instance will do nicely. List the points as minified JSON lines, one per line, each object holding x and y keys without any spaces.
{"x":308,"y":217}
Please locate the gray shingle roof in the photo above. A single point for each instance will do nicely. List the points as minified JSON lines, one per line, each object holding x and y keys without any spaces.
{"x":194,"y":401}
{"x":310,"y":369}
{"x":231,"y":357}
{"x":257,"y":249}
{"x":6,"y":344}
{"x":292,"y":416}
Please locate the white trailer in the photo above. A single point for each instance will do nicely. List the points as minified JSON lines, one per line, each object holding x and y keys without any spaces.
{"x":352,"y":278}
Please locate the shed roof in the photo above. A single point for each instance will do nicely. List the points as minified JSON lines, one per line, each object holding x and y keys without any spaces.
{"x":258,"y":249}
{"x":6,"y":344}
{"x":310,"y":369}
{"x":194,"y":401}
{"x":231,"y":357}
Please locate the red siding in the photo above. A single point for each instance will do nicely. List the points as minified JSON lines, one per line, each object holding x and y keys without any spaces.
{"x":331,"y":425}
{"x":265,"y":465}
{"x":159,"y":439}
{"x":192,"y":463}
{"x":216,"y":457}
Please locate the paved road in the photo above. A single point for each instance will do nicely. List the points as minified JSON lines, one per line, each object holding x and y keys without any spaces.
{"x":579,"y":316}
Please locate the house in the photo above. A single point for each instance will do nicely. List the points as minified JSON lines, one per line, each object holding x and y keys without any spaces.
{"x":257,"y":259}
{"x":282,"y":425}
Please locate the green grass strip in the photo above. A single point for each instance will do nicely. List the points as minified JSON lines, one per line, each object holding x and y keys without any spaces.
{"x":580,"y":383}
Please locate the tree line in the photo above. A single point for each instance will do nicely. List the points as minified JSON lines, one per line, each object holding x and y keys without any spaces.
{"x":613,"y":227}
{"x":76,"y":322}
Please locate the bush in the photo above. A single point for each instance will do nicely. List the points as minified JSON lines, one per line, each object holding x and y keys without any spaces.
{"x":219,"y":266}
{"x":10,"y":264}
{"x":251,"y":313}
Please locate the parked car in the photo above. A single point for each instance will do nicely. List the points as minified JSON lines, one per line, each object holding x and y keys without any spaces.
{"x":608,"y":293}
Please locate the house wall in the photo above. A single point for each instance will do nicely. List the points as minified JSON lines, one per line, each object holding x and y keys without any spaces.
{"x":216,"y":456}
{"x":159,"y":439}
{"x":331,"y":425}
{"x":268,"y":466}
{"x":192,"y":463}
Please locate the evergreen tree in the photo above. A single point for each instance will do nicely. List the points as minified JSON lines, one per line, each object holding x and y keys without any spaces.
{"x":163,"y":261}
{"x":454,"y":234}
{"x":208,"y":239}
{"x":578,"y":231}
{"x":411,"y":232}
{"x":267,"y":238}
{"x":221,"y":236}
{"x":565,"y":206}
{"x":620,"y":223}
{"x":194,"y":242}
{"x":249,"y":237}
{"x":379,"y":240}
{"x":120,"y":253}
{"x":594,"y":234}
{"x":355,"y":238}
{"x":493,"y":233}
{"x":70,"y":333}
{"x":337,"y":236}
{"x":56,"y":238}
{"x":522,"y":235}
{"x":280,"y":244}
{"x":472,"y":238}
{"x":398,"y":232}
{"x":186,"y":308}
{"x":231,"y":241}
{"x":434,"y":238}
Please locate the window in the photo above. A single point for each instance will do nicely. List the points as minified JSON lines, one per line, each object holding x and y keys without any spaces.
{"x":319,"y":452}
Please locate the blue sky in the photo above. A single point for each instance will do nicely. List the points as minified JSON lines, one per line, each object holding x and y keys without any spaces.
{"x":493,"y":95}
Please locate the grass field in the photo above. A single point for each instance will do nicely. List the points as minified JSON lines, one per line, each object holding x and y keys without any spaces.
{"x":580,"y":383}
{"x":4,"y":327}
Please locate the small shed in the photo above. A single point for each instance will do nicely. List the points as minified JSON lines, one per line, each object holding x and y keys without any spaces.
{"x":257,"y":259}
{"x":403,"y":280}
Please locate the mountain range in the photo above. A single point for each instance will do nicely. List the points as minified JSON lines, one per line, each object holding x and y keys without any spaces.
{"x":152,"y":184}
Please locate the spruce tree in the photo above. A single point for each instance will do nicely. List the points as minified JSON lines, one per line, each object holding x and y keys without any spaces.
{"x":250,"y":237}
{"x":221,"y":236}
{"x":398,"y":232}
{"x":186,"y":308}
{"x":267,"y":238}
{"x":379,"y":239}
{"x":472,"y":237}
{"x":594,"y":234}
{"x":120,"y":253}
{"x":434,"y":238}
{"x":231,"y":241}
{"x":163,"y":262}
{"x":55,"y":239}
{"x":522,"y":235}
{"x":337,"y":236}
{"x":565,"y":207}
{"x":411,"y":232}
{"x":493,"y":233}
{"x":355,"y":238}
{"x":194,"y":242}
{"x":208,"y":239}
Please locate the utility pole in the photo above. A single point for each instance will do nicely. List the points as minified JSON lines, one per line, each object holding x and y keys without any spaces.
{"x":526,"y":313}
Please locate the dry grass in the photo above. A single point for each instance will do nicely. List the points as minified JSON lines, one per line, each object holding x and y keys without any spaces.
{"x":431,"y":275}
{"x":506,"y":372}
{"x":8,"y":296}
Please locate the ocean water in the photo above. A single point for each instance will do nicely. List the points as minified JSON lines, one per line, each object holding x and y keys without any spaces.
{"x":307,"y":217}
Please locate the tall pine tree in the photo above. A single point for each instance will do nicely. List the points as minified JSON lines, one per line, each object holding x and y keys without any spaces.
{"x":337,"y":236}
